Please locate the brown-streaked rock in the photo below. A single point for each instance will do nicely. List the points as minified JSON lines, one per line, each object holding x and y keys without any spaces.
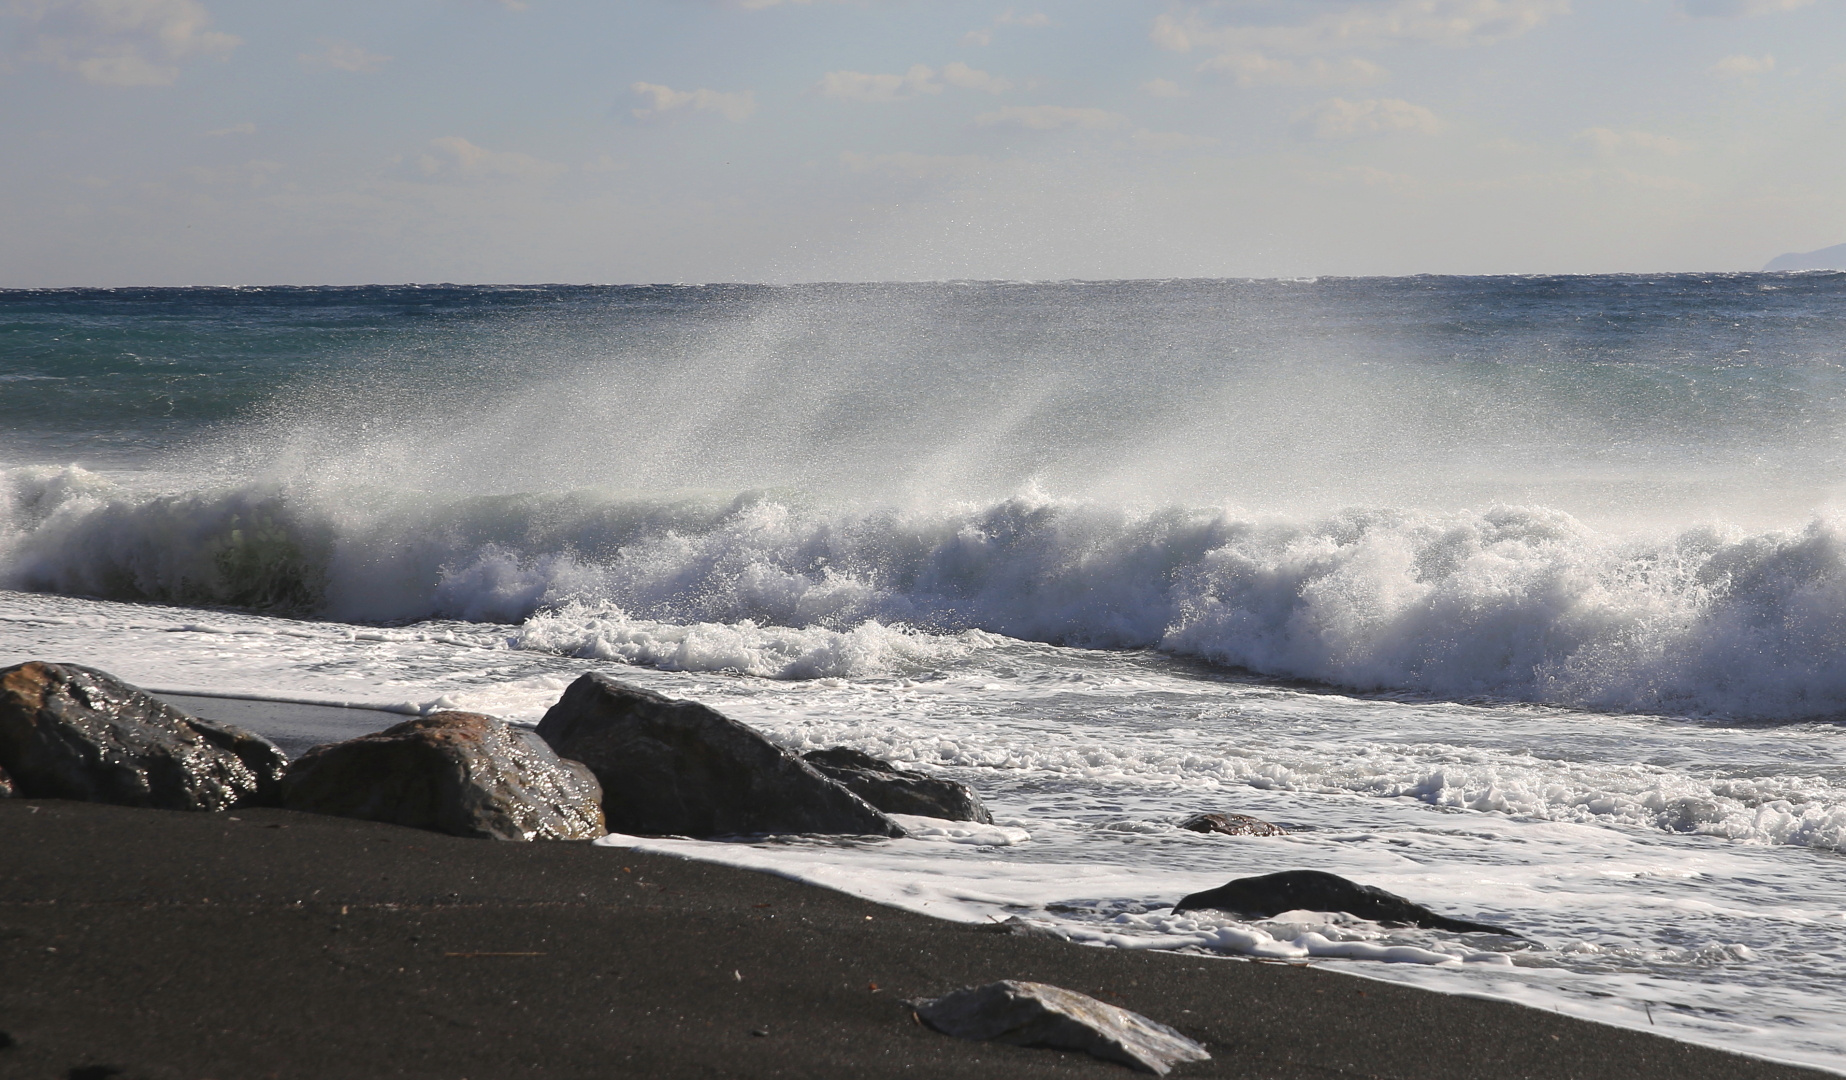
{"x":679,"y":768}
{"x":1231,"y":825}
{"x":898,"y":791}
{"x":454,"y":772}
{"x":1039,"y":1014}
{"x":73,"y":732}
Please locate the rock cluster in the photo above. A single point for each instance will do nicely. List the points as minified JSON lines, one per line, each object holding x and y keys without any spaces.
{"x":606,"y":756}
{"x":1038,"y":1014}
{"x":1315,"y":890}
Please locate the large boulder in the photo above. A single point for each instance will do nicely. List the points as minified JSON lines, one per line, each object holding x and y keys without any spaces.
{"x":1316,"y":890}
{"x":679,"y":768}
{"x":454,"y":772}
{"x":898,"y":791}
{"x":1038,"y":1014}
{"x":72,"y":732}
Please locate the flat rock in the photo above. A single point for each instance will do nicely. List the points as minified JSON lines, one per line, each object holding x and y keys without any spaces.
{"x":73,"y":732}
{"x":1231,"y":825}
{"x":898,"y":791}
{"x":679,"y":768}
{"x":1315,"y":890}
{"x":453,"y":772}
{"x":1038,"y":1014}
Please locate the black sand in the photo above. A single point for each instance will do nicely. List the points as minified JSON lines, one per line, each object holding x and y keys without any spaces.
{"x":271,"y":944}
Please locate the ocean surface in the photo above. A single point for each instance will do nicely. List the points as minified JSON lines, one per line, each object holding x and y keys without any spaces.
{"x":1523,"y":597}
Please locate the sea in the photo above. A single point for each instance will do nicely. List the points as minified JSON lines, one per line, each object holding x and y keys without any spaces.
{"x":1521,"y":597}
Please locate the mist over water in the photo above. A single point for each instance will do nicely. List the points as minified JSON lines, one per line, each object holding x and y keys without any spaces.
{"x":1606,"y":492}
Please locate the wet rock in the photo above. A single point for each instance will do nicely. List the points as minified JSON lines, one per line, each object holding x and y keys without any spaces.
{"x":1315,"y":890}
{"x":453,"y":772}
{"x":72,"y":732}
{"x":1232,"y":825}
{"x":1037,"y":1014}
{"x":672,"y":767}
{"x":898,"y":791}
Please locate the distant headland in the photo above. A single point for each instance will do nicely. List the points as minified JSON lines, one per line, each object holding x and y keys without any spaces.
{"x":1832,"y":258}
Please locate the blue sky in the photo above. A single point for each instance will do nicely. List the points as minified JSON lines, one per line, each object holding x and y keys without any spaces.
{"x":237,"y":142}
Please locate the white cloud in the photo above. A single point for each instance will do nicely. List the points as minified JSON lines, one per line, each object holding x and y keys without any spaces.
{"x":452,"y":157}
{"x":250,"y":174}
{"x":1163,"y":88}
{"x":985,"y":36}
{"x":1050,"y":117}
{"x":735,"y":107}
{"x":1252,"y":69}
{"x":864,"y":86}
{"x":245,"y":128}
{"x":120,"y":42}
{"x":1342,"y":119}
{"x":1364,"y":26}
{"x":1609,"y":141}
{"x":1732,"y":9}
{"x":1171,"y":140}
{"x":343,"y":55}
{"x":920,"y":79}
{"x":1743,"y":67}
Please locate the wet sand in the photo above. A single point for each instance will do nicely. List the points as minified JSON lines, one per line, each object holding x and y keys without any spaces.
{"x":265,"y":943}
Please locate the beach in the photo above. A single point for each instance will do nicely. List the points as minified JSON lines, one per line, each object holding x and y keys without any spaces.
{"x":264,"y":943}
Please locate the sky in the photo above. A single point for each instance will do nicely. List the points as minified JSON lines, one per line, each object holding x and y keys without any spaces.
{"x":227,"y":142}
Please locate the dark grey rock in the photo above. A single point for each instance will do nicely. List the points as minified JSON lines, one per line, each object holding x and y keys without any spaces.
{"x":72,"y":732}
{"x":671,"y":767}
{"x":1038,"y":1014}
{"x":1316,"y":890}
{"x":898,"y":791}
{"x":1232,"y":825}
{"x":453,"y":772}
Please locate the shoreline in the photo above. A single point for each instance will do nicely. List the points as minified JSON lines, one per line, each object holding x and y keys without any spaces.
{"x":270,"y":943}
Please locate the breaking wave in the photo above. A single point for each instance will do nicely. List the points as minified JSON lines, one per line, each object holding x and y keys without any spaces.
{"x":1509,"y":602}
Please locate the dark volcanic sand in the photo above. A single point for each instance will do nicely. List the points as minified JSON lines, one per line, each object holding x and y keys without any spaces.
{"x":272,"y":944}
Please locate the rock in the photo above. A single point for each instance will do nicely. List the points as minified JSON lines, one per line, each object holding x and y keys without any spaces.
{"x":898,"y":791}
{"x":1314,"y":890}
{"x":72,"y":732}
{"x":8,"y":789}
{"x":454,"y":772}
{"x":1232,"y":825}
{"x":679,"y":768}
{"x":1037,"y":1014}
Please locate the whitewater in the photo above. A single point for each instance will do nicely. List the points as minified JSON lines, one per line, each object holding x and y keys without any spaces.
{"x":1522,"y":597}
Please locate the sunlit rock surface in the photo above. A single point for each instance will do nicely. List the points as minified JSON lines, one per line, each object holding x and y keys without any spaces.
{"x":72,"y":732}
{"x":454,"y":772}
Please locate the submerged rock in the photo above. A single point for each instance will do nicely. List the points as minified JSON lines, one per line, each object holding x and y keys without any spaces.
{"x":898,"y":791}
{"x":681,"y":768}
{"x":1038,"y":1014}
{"x":1231,"y":825}
{"x":454,"y":772}
{"x":72,"y":732}
{"x":1316,"y":890}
